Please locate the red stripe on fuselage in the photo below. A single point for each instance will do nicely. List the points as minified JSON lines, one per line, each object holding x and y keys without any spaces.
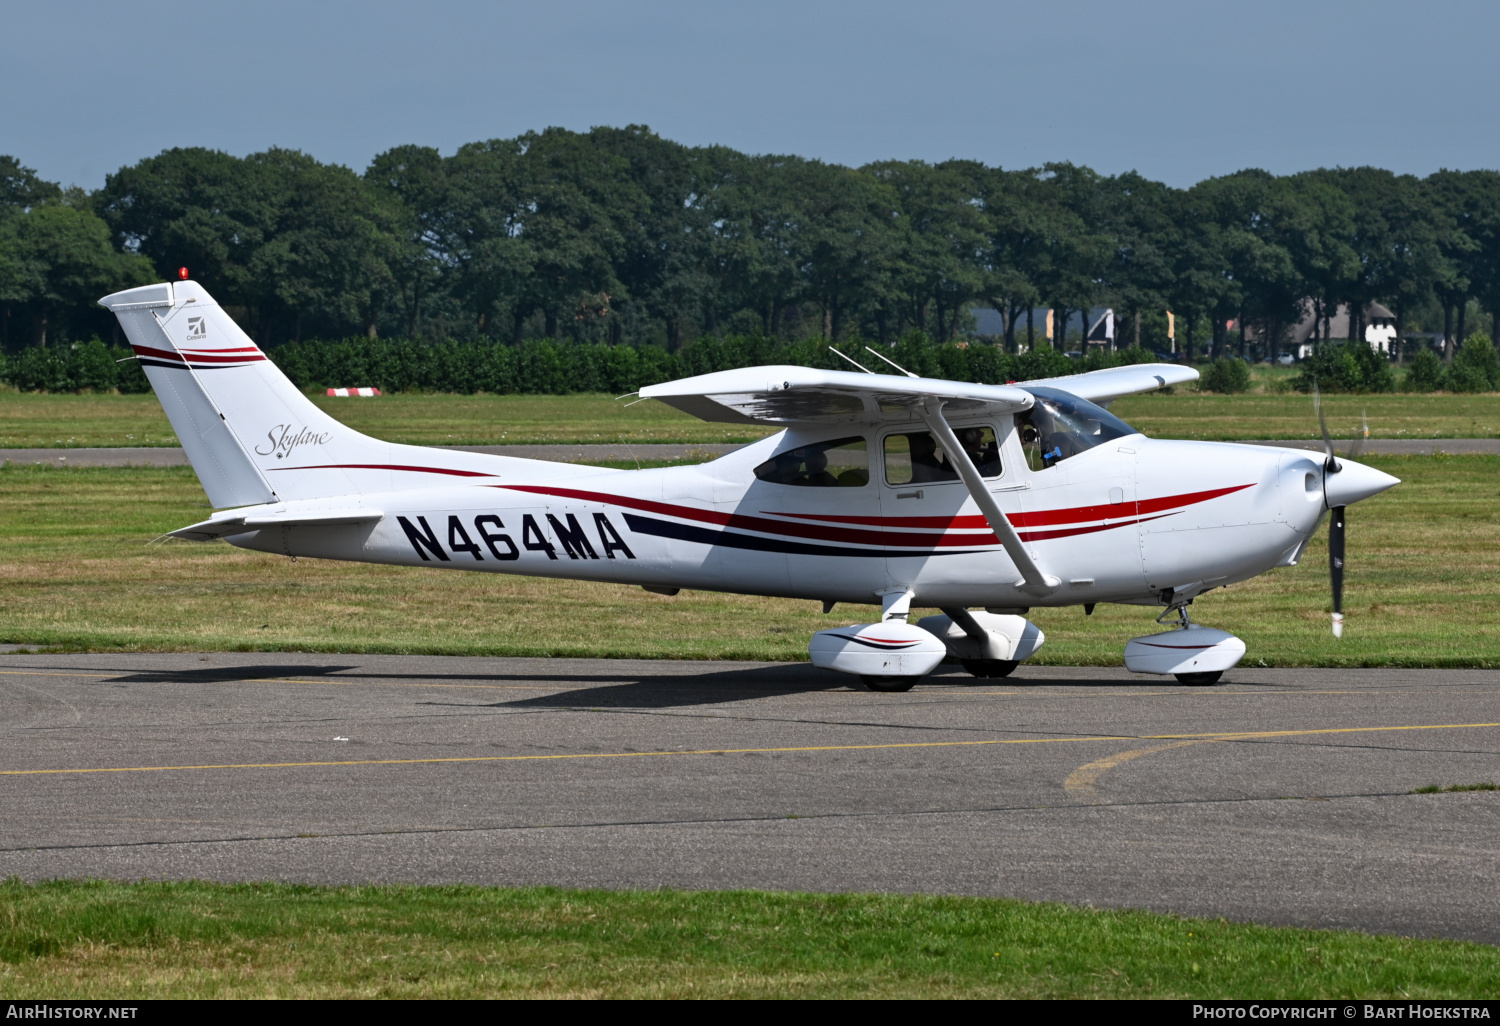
{"x":1041,"y":518}
{"x":869,"y":537}
{"x":388,"y":466}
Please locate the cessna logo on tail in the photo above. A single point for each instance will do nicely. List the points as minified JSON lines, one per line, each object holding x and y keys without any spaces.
{"x":281,"y":440}
{"x":196,"y":328}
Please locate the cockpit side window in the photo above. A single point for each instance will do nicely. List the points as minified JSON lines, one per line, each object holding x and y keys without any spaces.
{"x":841,"y":463}
{"x":915,"y":457}
{"x":1060,"y":425}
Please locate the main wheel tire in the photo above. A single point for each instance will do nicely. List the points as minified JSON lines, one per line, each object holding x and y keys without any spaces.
{"x":875,"y":683}
{"x":1199,"y":679}
{"x":991,"y":668}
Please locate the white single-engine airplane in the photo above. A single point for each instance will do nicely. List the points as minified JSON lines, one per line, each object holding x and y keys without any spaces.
{"x":881,"y":488}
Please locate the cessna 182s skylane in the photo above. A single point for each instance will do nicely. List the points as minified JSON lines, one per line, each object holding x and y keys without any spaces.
{"x":897,"y":490}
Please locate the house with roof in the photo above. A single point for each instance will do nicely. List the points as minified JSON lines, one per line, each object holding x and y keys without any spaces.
{"x":1380,"y":328}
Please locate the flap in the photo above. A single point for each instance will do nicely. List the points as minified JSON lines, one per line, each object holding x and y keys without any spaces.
{"x":806,"y":395}
{"x":240,"y":521}
{"x":1101,"y":386}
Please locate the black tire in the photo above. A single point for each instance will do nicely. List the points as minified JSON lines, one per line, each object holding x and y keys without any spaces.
{"x":875,"y":683}
{"x":1199,"y":679}
{"x":992,"y":669}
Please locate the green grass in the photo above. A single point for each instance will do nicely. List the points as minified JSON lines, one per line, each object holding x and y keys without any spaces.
{"x":200,"y":940}
{"x":29,"y":420}
{"x":76,"y":572}
{"x":1188,"y":414}
{"x":1454,"y":788}
{"x":33,"y":420}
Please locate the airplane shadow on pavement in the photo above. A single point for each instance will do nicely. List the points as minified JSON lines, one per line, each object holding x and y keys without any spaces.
{"x":675,"y":690}
{"x":746,"y":684}
{"x":631,"y":690}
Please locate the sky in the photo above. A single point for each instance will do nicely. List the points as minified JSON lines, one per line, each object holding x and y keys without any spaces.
{"x":1178,"y":91}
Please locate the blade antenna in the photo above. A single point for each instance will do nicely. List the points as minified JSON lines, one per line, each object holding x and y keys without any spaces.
{"x":894,"y":364}
{"x":856,"y":363}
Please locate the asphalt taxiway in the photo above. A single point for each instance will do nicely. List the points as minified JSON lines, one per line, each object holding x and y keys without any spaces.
{"x":1279,"y":796}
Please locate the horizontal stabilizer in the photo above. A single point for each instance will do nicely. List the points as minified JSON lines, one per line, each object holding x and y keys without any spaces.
{"x":239,"y":521}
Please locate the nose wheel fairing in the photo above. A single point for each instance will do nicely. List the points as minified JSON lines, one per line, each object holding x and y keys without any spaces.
{"x":1187,"y":652}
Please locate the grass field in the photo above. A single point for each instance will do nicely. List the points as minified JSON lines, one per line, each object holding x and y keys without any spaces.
{"x":32,"y":420}
{"x":29,"y":420}
{"x":198,"y":940}
{"x":77,"y":572}
{"x":1187,"y":414}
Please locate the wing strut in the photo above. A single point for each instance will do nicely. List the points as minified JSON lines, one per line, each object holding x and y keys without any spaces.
{"x":1033,"y":579}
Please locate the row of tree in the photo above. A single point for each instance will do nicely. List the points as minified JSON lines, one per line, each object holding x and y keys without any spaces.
{"x":620,"y":236}
{"x":553,"y":367}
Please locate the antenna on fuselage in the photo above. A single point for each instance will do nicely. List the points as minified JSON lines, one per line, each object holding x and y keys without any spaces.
{"x":894,"y":364}
{"x":851,"y":359}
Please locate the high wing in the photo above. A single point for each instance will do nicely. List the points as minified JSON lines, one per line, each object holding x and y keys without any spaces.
{"x":806,"y":395}
{"x":1103,"y":386}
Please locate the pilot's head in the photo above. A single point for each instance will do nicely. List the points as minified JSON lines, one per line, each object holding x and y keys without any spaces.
{"x":922,"y":444}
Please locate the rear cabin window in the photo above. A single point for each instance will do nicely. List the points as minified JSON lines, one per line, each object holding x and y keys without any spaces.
{"x":841,"y":463}
{"x":917,"y":458}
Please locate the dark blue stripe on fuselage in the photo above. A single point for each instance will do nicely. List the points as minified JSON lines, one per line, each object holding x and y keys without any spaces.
{"x":146,"y":361}
{"x":734,"y":540}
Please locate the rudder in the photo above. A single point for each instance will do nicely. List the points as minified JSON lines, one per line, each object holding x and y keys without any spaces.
{"x":238,"y":417}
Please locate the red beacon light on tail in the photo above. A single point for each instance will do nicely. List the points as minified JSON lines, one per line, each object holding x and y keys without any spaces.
{"x":182,"y":272}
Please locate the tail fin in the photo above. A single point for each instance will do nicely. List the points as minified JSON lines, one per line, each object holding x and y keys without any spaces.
{"x":250,"y":435}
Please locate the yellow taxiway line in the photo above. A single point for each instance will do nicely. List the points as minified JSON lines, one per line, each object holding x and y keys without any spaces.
{"x":1236,"y":736}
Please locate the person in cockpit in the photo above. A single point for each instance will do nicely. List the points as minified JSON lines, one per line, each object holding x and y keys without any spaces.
{"x":817,"y":471}
{"x":788,"y":467}
{"x":986,"y":458}
{"x":925,"y":465}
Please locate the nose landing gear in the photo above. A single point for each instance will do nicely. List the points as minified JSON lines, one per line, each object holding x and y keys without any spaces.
{"x":1195,"y":655}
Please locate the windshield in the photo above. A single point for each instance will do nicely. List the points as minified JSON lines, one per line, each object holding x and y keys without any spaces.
{"x":1061,"y":425}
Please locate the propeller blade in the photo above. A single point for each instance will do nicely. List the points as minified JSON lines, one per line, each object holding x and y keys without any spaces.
{"x":1331,"y":464}
{"x":1336,"y":566}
